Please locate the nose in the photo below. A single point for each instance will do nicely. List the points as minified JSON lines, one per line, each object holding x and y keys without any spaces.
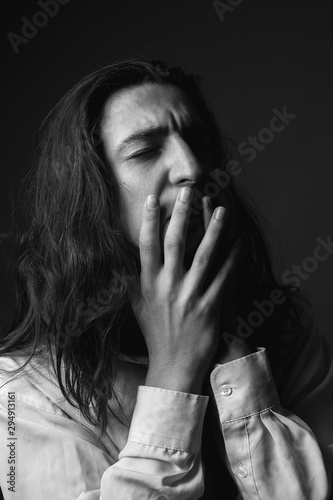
{"x":185,"y":169}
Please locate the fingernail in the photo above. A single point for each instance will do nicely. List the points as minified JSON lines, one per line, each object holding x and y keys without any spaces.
{"x":207,"y":202}
{"x":152,"y":201}
{"x":219,"y":213}
{"x":185,"y":194}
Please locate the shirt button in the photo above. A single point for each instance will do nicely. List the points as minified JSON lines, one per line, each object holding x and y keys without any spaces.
{"x":242,"y":471}
{"x":226,"y":390}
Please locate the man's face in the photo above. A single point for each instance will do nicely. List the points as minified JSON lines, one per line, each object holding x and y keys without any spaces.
{"x":156,"y":143}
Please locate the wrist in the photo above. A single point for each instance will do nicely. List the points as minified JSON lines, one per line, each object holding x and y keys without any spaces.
{"x":174,"y":379}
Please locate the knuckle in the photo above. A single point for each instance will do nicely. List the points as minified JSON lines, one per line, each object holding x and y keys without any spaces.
{"x":215,"y":229}
{"x":146,"y":245}
{"x":206,"y":308}
{"x":203,"y":258}
{"x":188,"y":303}
{"x":149,"y":215}
{"x":224,"y":271}
{"x":147,"y":289}
{"x":171,"y":244}
{"x":181,"y":209}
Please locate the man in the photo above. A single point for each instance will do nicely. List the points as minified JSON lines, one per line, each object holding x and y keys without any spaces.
{"x":118,"y":391}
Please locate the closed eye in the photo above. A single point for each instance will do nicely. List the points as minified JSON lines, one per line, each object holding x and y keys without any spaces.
{"x":145,"y":153}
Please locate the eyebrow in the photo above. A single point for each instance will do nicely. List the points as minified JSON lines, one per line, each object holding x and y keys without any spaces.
{"x":154,"y":131}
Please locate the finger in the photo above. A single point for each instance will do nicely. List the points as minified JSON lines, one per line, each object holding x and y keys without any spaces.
{"x":175,"y":238}
{"x":215,"y":291}
{"x":149,"y":245}
{"x":207,"y":249}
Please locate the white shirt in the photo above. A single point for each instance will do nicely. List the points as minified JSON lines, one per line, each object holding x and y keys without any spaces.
{"x":270,"y":452}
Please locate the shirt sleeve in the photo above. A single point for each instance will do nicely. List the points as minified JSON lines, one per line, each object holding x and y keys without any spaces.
{"x":161,"y":459}
{"x":270,"y":451}
{"x":57,"y":458}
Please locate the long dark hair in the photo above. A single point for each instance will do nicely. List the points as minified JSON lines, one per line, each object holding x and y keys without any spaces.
{"x":75,"y":267}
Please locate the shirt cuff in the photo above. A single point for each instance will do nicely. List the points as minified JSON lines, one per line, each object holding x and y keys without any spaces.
{"x":244,"y":386}
{"x":168,"y":419}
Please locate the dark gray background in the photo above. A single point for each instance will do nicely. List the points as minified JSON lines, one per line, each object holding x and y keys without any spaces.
{"x":264,"y":55}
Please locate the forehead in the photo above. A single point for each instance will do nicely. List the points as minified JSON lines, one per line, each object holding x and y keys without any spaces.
{"x":146,"y":106}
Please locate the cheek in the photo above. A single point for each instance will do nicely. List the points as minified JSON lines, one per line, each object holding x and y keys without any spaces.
{"x":132,"y":209}
{"x":134,"y":191}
